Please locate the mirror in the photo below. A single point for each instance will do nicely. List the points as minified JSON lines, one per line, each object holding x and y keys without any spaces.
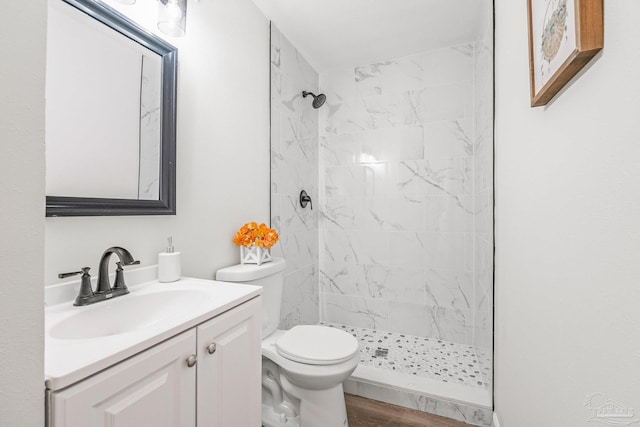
{"x":111,"y":112}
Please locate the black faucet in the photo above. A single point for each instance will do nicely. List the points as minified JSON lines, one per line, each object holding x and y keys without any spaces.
{"x":104,"y":291}
{"x":103,"y":271}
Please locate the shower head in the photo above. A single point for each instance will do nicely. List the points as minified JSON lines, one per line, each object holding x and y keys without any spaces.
{"x":318,"y":100}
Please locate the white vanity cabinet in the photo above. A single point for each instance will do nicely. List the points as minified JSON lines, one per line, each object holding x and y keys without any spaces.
{"x":230,"y":369}
{"x":158,"y":388}
{"x":154,"y":388}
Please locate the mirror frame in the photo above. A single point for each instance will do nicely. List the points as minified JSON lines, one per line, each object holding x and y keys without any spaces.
{"x":88,"y":206}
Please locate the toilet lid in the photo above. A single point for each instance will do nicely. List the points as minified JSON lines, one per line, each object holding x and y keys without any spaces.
{"x":317,"y":345}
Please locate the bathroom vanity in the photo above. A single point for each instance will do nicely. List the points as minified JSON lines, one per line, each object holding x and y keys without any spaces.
{"x":182,"y":354}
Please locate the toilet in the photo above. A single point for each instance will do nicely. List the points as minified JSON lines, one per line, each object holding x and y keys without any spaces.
{"x":302,"y":368}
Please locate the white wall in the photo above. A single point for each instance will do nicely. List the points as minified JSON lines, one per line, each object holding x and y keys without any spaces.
{"x":567,"y":230}
{"x":22,"y":43}
{"x":294,"y":167}
{"x":222,"y":152}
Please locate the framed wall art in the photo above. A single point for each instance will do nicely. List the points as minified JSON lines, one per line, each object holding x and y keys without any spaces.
{"x":564,"y":35}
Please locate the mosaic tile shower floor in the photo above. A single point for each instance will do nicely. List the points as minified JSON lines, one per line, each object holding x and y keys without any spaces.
{"x":427,"y":357}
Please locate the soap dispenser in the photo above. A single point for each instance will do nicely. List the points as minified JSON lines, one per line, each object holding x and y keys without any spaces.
{"x":169,"y":264}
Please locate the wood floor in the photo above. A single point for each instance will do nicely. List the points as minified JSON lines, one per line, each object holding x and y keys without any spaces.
{"x":364,"y":412}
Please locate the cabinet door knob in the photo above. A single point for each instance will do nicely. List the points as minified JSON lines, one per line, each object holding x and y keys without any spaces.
{"x":191,"y":361}
{"x":211,"y":348}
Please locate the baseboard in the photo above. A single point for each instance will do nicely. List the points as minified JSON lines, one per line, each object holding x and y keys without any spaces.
{"x":496,"y":422}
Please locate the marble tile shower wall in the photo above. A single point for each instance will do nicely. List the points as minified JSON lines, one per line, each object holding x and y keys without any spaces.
{"x":397,"y":195}
{"x":483,"y":193}
{"x":294,"y":166}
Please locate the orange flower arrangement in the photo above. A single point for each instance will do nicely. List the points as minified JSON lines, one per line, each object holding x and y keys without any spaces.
{"x":253,"y":234}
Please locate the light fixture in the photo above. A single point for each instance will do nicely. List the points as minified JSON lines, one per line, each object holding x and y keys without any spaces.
{"x":172,"y":17}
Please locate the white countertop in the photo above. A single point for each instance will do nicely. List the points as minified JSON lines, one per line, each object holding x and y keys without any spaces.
{"x":70,"y":360}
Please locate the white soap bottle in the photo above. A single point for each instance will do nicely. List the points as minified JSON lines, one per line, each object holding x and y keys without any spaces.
{"x":169,"y":264}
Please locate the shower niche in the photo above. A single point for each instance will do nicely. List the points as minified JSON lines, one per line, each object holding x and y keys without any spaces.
{"x":399,"y":251}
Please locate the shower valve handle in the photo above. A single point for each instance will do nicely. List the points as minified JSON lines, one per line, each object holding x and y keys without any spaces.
{"x":305,"y":199}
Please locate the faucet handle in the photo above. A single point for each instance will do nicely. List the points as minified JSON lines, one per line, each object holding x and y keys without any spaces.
{"x":83,"y":271}
{"x":86,"y":291}
{"x":120,"y":285}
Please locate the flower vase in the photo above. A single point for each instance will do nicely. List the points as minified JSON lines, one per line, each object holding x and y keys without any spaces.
{"x":254,"y":255}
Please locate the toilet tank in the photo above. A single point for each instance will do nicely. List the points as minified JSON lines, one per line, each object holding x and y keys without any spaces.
{"x":270,"y":276}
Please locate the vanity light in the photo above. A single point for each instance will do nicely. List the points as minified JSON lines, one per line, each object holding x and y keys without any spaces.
{"x":172,"y":17}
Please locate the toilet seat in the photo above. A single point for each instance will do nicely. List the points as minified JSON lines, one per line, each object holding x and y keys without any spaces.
{"x":308,"y":376}
{"x":317,"y":345}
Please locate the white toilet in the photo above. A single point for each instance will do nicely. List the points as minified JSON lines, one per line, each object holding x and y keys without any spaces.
{"x":302,"y":368}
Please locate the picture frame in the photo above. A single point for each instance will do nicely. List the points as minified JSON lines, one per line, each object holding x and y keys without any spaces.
{"x":564,"y":35}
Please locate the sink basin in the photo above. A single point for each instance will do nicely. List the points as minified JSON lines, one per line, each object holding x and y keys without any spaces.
{"x":128,"y":313}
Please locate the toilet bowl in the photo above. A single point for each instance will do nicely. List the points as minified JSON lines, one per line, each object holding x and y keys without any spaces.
{"x":311,"y":384}
{"x":302,"y":368}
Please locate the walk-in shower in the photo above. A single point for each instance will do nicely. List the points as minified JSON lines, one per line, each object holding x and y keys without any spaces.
{"x":399,"y":251}
{"x":405,"y":253}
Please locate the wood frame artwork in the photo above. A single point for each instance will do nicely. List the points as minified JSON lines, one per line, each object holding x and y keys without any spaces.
{"x":563,"y":37}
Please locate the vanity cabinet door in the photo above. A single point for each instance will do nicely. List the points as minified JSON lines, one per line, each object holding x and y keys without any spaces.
{"x":155,"y":388}
{"x":229,"y":368}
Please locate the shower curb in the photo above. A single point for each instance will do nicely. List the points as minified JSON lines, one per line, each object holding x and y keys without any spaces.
{"x":474,"y":415}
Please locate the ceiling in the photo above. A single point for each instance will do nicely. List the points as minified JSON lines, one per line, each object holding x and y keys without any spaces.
{"x":334,"y":33}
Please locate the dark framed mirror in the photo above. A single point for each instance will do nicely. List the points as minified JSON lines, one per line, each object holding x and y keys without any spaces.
{"x":111,"y":114}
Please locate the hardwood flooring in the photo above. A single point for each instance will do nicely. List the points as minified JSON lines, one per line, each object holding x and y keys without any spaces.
{"x":364,"y":412}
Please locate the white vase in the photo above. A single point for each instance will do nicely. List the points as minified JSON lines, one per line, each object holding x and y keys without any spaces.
{"x":254,"y":255}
